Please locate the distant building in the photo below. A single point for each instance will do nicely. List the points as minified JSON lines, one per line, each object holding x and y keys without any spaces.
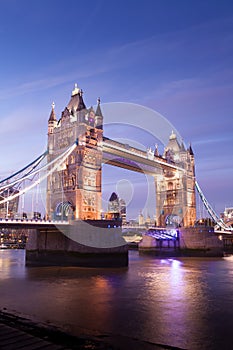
{"x":148,"y":221}
{"x":9,"y":209}
{"x":113,"y":207}
{"x":228,"y":214}
{"x":113,"y":203}
{"x":116,"y":208}
{"x":141,"y":220}
{"x":122,"y":207}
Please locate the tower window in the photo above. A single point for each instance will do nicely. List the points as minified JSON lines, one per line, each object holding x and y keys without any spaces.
{"x":170,"y":186}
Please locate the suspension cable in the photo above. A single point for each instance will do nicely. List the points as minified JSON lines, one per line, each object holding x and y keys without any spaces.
{"x":37,"y":160}
{"x":59,"y":160}
{"x":38,"y":170}
{"x":211,"y":211}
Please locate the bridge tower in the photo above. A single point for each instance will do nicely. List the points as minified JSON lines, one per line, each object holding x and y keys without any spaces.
{"x":175,"y":189}
{"x":74,"y":190}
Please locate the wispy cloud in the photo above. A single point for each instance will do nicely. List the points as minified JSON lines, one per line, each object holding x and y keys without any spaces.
{"x":152,"y":50}
{"x":214,"y":140}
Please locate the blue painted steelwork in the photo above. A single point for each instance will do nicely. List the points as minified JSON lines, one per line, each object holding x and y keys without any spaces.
{"x":162,"y":233}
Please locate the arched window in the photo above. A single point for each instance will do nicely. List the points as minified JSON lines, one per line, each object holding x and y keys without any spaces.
{"x":170,"y":186}
{"x":72,"y":159}
{"x":63,"y":210}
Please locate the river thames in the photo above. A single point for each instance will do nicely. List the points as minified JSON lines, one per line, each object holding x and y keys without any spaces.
{"x":185,"y":303}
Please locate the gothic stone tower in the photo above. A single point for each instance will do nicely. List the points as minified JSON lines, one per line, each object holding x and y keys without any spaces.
{"x":74,"y":190}
{"x":175,"y":189}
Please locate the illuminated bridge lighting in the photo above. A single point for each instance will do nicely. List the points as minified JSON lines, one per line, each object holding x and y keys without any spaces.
{"x":163,"y":233}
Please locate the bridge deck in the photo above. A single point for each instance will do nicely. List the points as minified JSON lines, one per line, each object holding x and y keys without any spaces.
{"x":33,"y":223}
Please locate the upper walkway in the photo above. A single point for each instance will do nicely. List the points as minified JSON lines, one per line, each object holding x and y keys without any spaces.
{"x":131,"y":158}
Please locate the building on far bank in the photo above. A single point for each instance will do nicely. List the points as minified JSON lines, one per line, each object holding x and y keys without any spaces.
{"x":141,"y":220}
{"x":227,"y":214}
{"x":122,"y":207}
{"x":145,"y":221}
{"x":9,"y":209}
{"x":113,"y":211}
{"x":116,"y":208}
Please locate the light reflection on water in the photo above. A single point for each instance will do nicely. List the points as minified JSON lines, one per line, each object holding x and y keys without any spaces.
{"x":12,"y":263}
{"x":186,"y":303}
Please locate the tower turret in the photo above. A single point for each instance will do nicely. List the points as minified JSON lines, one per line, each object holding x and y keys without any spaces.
{"x":76,"y":102}
{"x":98,"y":116}
{"x":52,"y":120}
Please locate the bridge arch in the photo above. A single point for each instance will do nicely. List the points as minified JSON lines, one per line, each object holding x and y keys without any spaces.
{"x":173,"y":220}
{"x":64,"y":210}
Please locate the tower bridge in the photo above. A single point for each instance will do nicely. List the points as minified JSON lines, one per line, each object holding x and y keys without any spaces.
{"x":81,"y":175}
{"x":77,"y":149}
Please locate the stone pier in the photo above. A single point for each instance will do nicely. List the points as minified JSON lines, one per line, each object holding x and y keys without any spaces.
{"x":200,"y":241}
{"x":192,"y":241}
{"x":91,"y":243}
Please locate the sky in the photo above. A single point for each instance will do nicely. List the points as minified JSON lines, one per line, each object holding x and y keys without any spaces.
{"x":173,"y":57}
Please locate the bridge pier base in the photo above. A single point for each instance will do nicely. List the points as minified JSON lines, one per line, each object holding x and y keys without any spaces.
{"x":200,"y":241}
{"x":69,"y":247}
{"x":158,"y":247}
{"x":192,"y":242}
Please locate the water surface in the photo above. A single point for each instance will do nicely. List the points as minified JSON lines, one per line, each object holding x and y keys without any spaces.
{"x":185,"y":302}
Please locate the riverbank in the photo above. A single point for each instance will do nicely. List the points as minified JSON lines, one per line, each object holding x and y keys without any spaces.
{"x":48,"y":334}
{"x":17,"y":330}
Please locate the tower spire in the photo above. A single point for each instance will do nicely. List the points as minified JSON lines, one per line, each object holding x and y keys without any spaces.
{"x":98,"y":116}
{"x":190,"y":149}
{"x":156,"y":152}
{"x":76,"y":102}
{"x":52,"y":117}
{"x":76,"y":90}
{"x":98,"y":109}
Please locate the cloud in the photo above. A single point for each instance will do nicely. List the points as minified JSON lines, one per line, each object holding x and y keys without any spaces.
{"x":218,"y":139}
{"x":155,"y":53}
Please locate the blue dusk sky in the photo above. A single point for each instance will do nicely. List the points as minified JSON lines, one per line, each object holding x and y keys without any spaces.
{"x":173,"y":57}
